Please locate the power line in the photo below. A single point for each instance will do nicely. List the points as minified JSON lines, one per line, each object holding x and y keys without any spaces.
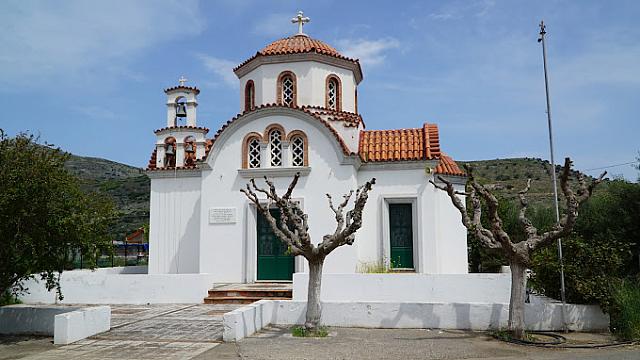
{"x":614,"y":165}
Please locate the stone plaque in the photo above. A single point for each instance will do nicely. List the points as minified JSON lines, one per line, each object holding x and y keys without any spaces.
{"x":222,"y":215}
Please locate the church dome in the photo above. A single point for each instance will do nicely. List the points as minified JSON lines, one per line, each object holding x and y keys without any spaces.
{"x":299,"y":44}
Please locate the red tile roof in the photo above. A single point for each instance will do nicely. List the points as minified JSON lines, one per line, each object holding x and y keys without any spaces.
{"x":348,"y":119}
{"x":297,"y":44}
{"x":447,"y":166}
{"x":179,"y":127}
{"x":400,"y":144}
{"x":182,"y":87}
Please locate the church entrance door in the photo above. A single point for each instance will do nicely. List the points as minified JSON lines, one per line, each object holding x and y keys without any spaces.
{"x":401,"y":235}
{"x":273,"y":261}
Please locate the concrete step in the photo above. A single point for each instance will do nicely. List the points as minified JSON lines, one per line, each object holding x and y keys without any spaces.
{"x":248,"y":293}
{"x":239,"y":299}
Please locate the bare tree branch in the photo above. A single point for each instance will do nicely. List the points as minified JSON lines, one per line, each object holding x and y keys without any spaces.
{"x":473,"y":224}
{"x":573,"y":201}
{"x":349,"y":224}
{"x":522,"y":216}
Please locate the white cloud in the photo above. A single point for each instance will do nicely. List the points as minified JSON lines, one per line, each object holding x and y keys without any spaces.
{"x":459,"y":10}
{"x":275,"y":25}
{"x":221,"y":67}
{"x":370,"y":52}
{"x":44,"y":41}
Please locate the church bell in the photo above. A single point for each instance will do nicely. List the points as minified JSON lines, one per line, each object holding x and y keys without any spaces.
{"x":169,"y":150}
{"x":181,"y":110}
{"x":189,"y":148}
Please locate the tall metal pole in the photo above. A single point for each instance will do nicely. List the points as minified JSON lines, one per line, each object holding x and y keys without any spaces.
{"x":553,"y":171}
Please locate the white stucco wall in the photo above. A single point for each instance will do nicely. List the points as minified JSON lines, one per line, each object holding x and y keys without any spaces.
{"x":441,"y":288}
{"x":311,"y":79}
{"x":174,"y":225}
{"x":66,"y":324}
{"x":440,"y":245}
{"x":229,"y":250}
{"x":541,"y":316}
{"x":117,"y":286}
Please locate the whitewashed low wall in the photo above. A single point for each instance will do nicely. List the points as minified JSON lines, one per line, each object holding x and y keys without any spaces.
{"x":80,"y":324}
{"x":540,"y":315}
{"x":122,"y":286}
{"x":66,"y":324}
{"x":420,"y":288}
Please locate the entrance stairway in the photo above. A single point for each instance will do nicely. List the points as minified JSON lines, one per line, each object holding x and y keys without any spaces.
{"x":248,"y":293}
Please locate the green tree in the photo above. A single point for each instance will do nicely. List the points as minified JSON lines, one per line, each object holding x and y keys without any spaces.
{"x":603,"y":249}
{"x":44,"y":215}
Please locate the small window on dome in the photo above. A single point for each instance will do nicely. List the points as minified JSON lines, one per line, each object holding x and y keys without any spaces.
{"x":333,"y":99}
{"x":287,"y":89}
{"x":249,"y":96}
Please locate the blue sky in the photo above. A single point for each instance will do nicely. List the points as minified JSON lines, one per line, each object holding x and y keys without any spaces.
{"x":88,"y":75}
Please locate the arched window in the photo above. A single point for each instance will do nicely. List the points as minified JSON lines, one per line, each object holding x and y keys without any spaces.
{"x":297,"y":151}
{"x":287,"y":89}
{"x":251,"y":158}
{"x":275,"y":147}
{"x":249,"y":96}
{"x":254,"y":153}
{"x":333,"y":99}
{"x":299,"y":148}
{"x":170,"y":152}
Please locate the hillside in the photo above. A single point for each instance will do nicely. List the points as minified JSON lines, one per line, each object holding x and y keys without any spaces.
{"x":128,"y":186}
{"x":508,"y":176}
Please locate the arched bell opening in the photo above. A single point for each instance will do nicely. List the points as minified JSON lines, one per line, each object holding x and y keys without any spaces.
{"x":189,"y":151}
{"x":170,"y":152}
{"x":181,"y":110}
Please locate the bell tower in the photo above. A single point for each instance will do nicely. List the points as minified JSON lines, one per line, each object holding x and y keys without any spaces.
{"x":181,"y":143}
{"x":182,"y":102}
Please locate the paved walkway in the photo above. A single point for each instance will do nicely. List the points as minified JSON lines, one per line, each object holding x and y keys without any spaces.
{"x":356,"y":343}
{"x":171,"y":331}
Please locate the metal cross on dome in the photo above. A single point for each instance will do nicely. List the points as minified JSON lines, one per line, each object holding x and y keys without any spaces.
{"x":182,"y":80}
{"x":301,"y":20}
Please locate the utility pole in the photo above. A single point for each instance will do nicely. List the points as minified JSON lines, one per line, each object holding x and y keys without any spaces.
{"x":553,"y":173}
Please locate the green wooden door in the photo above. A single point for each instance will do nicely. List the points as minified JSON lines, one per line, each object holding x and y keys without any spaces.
{"x":401,"y":235}
{"x":273,"y":263}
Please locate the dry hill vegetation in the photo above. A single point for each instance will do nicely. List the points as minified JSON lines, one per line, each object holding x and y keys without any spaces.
{"x":128,"y":186}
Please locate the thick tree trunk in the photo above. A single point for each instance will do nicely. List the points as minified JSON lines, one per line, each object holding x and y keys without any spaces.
{"x":516,"y":304}
{"x":314,"y":310}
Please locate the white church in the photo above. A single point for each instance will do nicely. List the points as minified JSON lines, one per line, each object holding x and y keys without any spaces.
{"x":298,"y":113}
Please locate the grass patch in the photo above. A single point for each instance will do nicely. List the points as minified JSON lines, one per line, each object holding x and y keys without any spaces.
{"x":505,"y":335}
{"x":300,"y":331}
{"x":625,"y":312}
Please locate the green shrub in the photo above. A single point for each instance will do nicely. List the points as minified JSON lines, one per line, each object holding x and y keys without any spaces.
{"x":9,"y":299}
{"x":625,"y":310}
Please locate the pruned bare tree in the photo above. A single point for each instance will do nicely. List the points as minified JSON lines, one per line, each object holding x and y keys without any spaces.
{"x":293,"y":229}
{"x":518,"y":254}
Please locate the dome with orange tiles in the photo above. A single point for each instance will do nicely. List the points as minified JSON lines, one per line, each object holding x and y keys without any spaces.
{"x":298,"y":44}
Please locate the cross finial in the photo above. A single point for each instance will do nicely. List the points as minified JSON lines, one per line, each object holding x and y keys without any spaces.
{"x":182,"y":80}
{"x":301,"y":20}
